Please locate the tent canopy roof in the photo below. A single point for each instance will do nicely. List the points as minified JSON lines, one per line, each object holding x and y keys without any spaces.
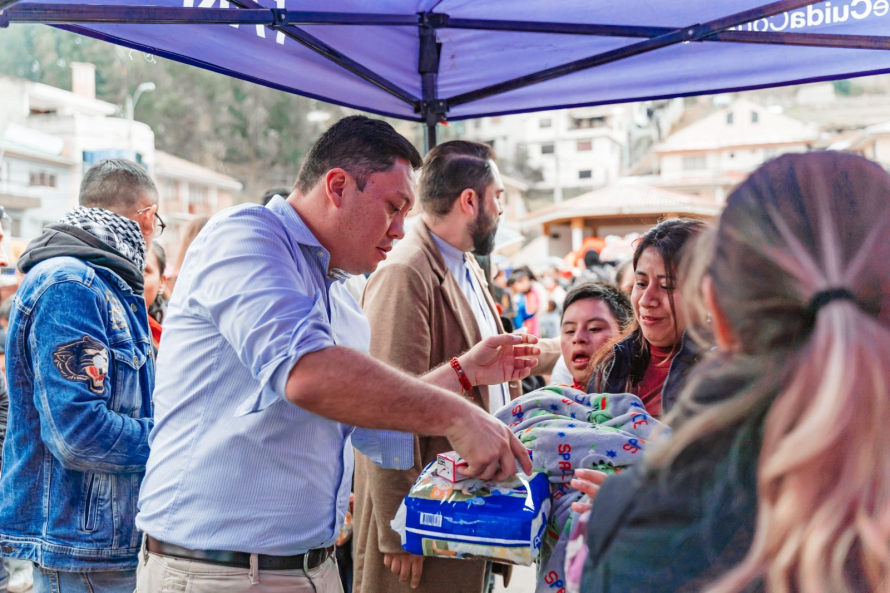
{"x":429,"y":60}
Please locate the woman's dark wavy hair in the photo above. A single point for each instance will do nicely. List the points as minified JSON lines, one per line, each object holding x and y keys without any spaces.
{"x":667,"y":238}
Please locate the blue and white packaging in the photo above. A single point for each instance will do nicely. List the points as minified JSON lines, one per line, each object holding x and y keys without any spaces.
{"x":475,"y":519}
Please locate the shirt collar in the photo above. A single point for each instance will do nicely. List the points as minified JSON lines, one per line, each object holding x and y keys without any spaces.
{"x":295,"y":226}
{"x":300,"y":234}
{"x":454,"y":257}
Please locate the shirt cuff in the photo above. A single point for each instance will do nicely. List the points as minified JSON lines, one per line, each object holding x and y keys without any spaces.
{"x":387,"y":448}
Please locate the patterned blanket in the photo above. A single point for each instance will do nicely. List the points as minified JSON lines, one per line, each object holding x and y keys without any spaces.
{"x":565,"y":429}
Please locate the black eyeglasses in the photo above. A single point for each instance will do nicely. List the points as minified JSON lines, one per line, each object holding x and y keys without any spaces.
{"x":160,"y":220}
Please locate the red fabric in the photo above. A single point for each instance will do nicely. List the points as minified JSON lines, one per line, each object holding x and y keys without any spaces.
{"x":155,"y":331}
{"x":649,"y":389}
{"x":577,"y":385}
{"x":532,"y":306}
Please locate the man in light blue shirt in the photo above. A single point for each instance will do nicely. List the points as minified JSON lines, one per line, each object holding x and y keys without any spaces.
{"x":262,"y":377}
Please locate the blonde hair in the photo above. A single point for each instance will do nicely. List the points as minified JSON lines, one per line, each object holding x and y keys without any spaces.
{"x":818,"y":375}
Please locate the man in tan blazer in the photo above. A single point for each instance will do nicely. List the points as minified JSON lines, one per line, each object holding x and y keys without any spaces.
{"x":426,"y":304}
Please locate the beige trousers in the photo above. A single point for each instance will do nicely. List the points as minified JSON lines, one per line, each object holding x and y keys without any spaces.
{"x":164,"y":574}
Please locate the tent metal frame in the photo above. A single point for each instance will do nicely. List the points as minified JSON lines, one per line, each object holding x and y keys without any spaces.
{"x":431,"y":109}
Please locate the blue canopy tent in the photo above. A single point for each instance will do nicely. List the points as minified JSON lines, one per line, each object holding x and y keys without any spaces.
{"x":437,"y":60}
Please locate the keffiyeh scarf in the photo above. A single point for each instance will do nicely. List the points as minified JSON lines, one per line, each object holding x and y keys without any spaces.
{"x":119,"y":233}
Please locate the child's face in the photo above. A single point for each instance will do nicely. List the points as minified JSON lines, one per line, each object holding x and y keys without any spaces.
{"x":522,"y":285}
{"x":587,"y":326}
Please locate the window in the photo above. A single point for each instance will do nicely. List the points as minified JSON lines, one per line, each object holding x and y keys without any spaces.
{"x":4,"y":171}
{"x":755,"y":117}
{"x":588,"y":122}
{"x":548,"y":148}
{"x":495,"y":121}
{"x":694,"y":162}
{"x":729,"y":118}
{"x":585,"y":145}
{"x":197,"y":194}
{"x":41,"y":179}
{"x":585,"y":174}
{"x":477,"y":123}
{"x":169,"y":190}
{"x":545,"y":123}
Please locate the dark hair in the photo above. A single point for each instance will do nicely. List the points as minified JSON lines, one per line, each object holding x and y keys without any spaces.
{"x":591,"y":258}
{"x":622,"y":269}
{"x":271,"y":193}
{"x":616,"y":300}
{"x":451,"y":168}
{"x":159,"y":306}
{"x":116,"y":184}
{"x":359,"y":145}
{"x":667,"y":238}
{"x":516,"y":276}
{"x":528,"y":272}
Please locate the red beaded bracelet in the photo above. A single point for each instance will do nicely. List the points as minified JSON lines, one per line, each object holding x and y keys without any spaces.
{"x":461,"y":376}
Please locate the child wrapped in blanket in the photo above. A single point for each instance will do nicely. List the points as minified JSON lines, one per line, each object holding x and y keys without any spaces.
{"x":566,"y":429}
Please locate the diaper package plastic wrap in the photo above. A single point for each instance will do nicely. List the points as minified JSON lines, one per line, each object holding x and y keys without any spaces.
{"x":476,"y":519}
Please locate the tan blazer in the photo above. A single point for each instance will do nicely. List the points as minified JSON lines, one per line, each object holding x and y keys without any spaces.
{"x":419,"y":320}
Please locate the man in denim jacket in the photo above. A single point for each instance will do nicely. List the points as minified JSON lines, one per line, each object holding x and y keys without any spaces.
{"x":80,"y":372}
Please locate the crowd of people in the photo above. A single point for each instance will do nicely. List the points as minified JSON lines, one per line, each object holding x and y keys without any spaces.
{"x":224,"y":422}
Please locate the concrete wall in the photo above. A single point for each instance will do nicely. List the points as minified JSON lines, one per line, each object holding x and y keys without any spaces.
{"x":54,"y":201}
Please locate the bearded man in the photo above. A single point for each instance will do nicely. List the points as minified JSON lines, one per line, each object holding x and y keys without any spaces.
{"x":426,"y":304}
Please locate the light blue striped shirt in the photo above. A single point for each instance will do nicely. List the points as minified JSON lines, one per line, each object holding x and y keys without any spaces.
{"x":233,"y":464}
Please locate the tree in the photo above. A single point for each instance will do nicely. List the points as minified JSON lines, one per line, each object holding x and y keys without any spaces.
{"x":256,"y":134}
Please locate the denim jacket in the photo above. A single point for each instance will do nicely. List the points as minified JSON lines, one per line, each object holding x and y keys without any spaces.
{"x":80,"y":375}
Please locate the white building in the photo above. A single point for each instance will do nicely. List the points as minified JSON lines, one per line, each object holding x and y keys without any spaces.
{"x":873,"y":143}
{"x":50,"y":136}
{"x":709,"y":157}
{"x":576,"y":150}
{"x":187,"y":191}
{"x":35,"y":179}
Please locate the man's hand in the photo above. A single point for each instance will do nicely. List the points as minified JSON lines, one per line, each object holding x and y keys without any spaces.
{"x":407,"y":566}
{"x":488,"y":446}
{"x":500,"y":359}
{"x":587,"y":481}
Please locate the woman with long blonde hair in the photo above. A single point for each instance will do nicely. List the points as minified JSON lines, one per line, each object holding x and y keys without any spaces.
{"x":776,"y":476}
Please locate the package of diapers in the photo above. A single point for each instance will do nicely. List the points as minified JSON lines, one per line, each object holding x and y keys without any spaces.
{"x":475,"y":519}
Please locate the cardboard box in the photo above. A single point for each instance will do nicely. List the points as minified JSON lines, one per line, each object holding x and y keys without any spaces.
{"x":448,"y":466}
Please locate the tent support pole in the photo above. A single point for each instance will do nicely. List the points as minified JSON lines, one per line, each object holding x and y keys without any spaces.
{"x":429,"y":136}
{"x":332,"y":54}
{"x":685,"y":34}
{"x":429,"y":107}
